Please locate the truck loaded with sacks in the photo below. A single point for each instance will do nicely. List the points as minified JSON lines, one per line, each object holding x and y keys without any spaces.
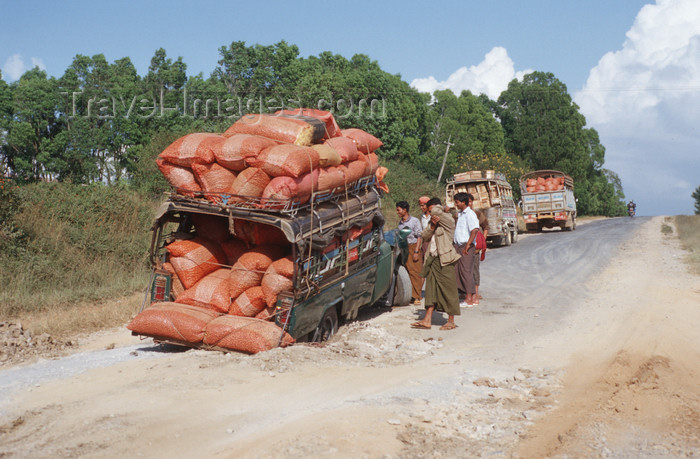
{"x":272,"y":234}
{"x":548,"y":200}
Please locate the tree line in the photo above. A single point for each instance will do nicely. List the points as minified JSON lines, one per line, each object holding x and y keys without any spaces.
{"x":98,"y":121}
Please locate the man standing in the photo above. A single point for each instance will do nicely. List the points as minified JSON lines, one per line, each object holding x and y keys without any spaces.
{"x":464,"y":243}
{"x":438,"y":268}
{"x":412,"y":262}
{"x":484,"y":226}
{"x":424,"y":221}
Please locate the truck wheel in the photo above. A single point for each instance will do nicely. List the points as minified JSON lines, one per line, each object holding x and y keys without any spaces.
{"x":506,"y":238}
{"x":327,"y":327}
{"x":514,"y":235}
{"x":403,"y":288}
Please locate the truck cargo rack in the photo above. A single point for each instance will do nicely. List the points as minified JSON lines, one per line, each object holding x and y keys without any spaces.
{"x":289,"y":207}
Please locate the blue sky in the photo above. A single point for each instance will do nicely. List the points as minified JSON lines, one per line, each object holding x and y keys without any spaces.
{"x":597,"y":48}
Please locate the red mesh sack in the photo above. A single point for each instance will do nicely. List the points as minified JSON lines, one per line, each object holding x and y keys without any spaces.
{"x":214,"y":178}
{"x":356,"y":231}
{"x":277,"y":278}
{"x":176,"y":287}
{"x":245,"y":334}
{"x":233,"y":248}
{"x":281,"y":128}
{"x":330,"y":178}
{"x":345,"y":147}
{"x":210,"y":292}
{"x":283,"y":189}
{"x":211,"y":227}
{"x":248,"y":303}
{"x":241,"y":278}
{"x":238,"y":148}
{"x":286,"y":159}
{"x":364,"y":141}
{"x":258,"y":234}
{"x":195,"y":258}
{"x":251,"y":183}
{"x":181,"y":178}
{"x":331,"y":127}
{"x":181,"y":322}
{"x":192,"y":148}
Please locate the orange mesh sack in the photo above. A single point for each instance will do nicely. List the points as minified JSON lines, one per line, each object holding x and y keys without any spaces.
{"x":282,"y":189}
{"x":278,"y":127}
{"x":327,"y":155}
{"x":371,"y":163}
{"x":245,"y":334}
{"x":210,"y":292}
{"x":331,"y":127}
{"x":354,"y":170}
{"x":195,"y":258}
{"x":181,"y":178}
{"x":277,"y":278}
{"x":286,"y":159}
{"x":233,"y":248}
{"x":267,"y":313}
{"x":176,"y":287}
{"x":248,"y":303}
{"x":330,"y":178}
{"x":181,"y":322}
{"x":214,"y":178}
{"x":251,"y":183}
{"x":211,"y":227}
{"x":238,"y":148}
{"x":345,"y":147}
{"x":192,"y":148}
{"x":364,"y":141}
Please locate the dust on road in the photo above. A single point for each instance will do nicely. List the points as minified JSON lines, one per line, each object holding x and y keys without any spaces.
{"x":594,"y":356}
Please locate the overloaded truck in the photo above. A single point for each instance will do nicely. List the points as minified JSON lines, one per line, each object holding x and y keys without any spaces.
{"x":493,"y":195}
{"x":548,"y":200}
{"x":285,"y":256}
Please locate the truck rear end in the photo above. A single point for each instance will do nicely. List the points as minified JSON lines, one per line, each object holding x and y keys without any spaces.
{"x":548,"y":200}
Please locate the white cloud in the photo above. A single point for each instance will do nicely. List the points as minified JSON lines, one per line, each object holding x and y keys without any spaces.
{"x":643,"y":101}
{"x":491,"y":76}
{"x":14,"y":67}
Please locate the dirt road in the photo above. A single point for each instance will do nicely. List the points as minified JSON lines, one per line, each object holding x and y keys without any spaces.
{"x":586,"y":344}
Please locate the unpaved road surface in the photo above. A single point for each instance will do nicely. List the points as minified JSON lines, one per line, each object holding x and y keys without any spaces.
{"x":586,"y":344}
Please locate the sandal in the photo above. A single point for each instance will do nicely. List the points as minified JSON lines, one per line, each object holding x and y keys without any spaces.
{"x":420,"y":326}
{"x":448,"y":326}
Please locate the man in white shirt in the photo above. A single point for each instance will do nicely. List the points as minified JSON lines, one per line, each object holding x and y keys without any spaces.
{"x":464,"y":242}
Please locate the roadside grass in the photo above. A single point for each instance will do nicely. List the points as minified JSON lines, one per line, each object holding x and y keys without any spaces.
{"x":688,"y":228}
{"x":406,"y":184}
{"x":79,"y":246}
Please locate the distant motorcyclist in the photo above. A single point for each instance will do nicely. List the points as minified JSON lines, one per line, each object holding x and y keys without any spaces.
{"x":631,"y":208}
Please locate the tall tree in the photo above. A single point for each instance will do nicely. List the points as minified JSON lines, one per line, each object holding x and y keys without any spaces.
{"x":696,"y":196}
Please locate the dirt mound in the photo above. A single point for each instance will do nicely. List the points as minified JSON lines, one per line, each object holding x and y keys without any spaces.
{"x":18,"y":345}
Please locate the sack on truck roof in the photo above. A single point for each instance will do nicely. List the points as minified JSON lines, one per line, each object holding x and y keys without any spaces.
{"x":303,"y":131}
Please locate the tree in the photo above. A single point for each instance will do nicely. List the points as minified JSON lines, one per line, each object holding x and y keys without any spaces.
{"x":543,"y":126}
{"x":696,"y":196}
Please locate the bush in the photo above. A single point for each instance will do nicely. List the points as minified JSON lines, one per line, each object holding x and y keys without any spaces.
{"x":406,"y":183}
{"x":79,"y":243}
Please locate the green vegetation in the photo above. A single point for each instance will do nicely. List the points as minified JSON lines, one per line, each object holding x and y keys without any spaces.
{"x":67,"y":243}
{"x":80,"y":149}
{"x":696,"y":196}
{"x":688,"y":227}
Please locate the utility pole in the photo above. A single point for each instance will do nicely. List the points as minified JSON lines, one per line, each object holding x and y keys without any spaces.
{"x":444,"y":160}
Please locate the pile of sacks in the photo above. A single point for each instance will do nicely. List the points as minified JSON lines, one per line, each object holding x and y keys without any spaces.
{"x":271,"y":160}
{"x":544,"y":184}
{"x":225,"y":288}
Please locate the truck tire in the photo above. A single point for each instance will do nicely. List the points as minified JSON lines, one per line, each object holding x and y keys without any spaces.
{"x":327,"y":327}
{"x":514,"y":236}
{"x":402,"y":289}
{"x":506,"y":238}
